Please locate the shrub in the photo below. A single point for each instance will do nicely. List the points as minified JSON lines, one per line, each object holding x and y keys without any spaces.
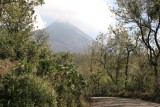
{"x":68,"y":83}
{"x":45,"y":67}
{"x":26,"y":91}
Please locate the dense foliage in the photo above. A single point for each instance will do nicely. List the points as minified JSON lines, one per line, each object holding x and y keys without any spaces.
{"x":35,"y":76}
{"x":123,"y":62}
{"x":26,"y":90}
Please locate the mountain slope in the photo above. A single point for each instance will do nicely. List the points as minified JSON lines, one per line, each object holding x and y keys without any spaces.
{"x":64,"y":37}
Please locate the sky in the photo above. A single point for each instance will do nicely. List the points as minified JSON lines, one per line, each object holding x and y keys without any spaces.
{"x":91,"y":16}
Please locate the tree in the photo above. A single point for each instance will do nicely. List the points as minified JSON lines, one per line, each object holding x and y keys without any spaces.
{"x":108,"y":54}
{"x":17,"y":22}
{"x":144,"y":15}
{"x":4,"y":2}
{"x":101,"y":56}
{"x":124,"y":43}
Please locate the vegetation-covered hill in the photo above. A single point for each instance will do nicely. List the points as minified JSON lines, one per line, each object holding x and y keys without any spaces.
{"x":64,"y":37}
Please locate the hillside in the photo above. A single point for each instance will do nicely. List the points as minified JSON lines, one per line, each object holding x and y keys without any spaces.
{"x":64,"y":37}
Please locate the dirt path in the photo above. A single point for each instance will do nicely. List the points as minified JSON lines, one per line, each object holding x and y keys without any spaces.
{"x":120,"y":102}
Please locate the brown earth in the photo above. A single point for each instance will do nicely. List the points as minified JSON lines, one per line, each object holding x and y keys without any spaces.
{"x":6,"y":65}
{"x":119,"y":102}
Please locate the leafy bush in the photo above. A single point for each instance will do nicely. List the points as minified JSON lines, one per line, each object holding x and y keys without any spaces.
{"x":26,"y":91}
{"x":45,"y":67}
{"x":23,"y":68}
{"x":68,"y":83}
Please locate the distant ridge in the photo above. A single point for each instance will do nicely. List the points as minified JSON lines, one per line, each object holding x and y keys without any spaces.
{"x":65,"y":37}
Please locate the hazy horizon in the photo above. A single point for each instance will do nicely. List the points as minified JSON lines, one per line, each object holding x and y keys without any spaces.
{"x":91,"y":16}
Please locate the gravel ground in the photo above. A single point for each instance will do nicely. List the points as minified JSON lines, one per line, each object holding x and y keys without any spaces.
{"x":120,"y":102}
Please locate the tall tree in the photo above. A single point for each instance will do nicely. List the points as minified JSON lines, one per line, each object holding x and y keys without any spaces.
{"x":144,"y":15}
{"x":4,"y":2}
{"x":17,"y":20}
{"x":123,"y":43}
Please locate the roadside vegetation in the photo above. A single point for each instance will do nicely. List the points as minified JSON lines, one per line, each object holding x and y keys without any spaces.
{"x":124,"y":62}
{"x":31,"y":75}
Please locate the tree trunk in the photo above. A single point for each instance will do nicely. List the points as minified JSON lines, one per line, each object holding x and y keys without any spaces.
{"x":1,"y":7}
{"x":126,"y":71}
{"x":156,"y":81}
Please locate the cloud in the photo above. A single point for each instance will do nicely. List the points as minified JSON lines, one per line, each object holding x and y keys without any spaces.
{"x":92,"y":16}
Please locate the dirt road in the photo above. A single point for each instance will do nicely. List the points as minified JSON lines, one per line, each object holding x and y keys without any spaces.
{"x":120,"y":102}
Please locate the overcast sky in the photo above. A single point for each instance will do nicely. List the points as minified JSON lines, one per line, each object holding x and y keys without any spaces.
{"x":91,"y":16}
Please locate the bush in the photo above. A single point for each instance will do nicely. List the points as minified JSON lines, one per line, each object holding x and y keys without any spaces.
{"x":26,"y":91}
{"x":45,"y":67}
{"x":68,"y":83}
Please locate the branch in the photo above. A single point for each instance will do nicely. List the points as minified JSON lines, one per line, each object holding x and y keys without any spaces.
{"x":155,"y":35}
